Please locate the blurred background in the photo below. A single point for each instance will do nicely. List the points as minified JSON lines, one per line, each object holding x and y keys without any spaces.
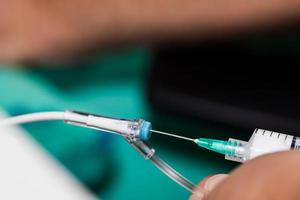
{"x":117,"y":85}
{"x":221,"y":88}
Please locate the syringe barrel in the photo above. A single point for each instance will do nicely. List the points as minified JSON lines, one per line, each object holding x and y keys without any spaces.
{"x":263,"y":142}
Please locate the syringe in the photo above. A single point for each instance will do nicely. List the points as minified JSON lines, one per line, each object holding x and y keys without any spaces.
{"x":261,"y":142}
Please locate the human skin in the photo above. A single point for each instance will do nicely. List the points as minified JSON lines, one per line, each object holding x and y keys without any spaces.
{"x":275,"y":176}
{"x":54,"y":29}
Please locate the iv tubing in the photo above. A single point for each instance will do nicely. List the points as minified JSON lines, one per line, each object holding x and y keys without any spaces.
{"x":75,"y":117}
{"x":172,"y":173}
{"x":33,"y":117}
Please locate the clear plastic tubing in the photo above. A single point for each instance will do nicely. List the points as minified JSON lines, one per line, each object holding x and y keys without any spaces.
{"x":171,"y":173}
{"x":149,"y":154}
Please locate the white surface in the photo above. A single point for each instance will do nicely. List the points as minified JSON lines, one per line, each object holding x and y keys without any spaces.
{"x":28,"y":172}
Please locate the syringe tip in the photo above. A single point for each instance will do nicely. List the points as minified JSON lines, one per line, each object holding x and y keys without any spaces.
{"x":203,"y":142}
{"x":218,"y":146}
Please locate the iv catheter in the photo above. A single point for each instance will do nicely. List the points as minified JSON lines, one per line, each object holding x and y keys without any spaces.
{"x":136,"y":132}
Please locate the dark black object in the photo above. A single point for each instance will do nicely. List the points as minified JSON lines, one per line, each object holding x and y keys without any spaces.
{"x":248,"y":82}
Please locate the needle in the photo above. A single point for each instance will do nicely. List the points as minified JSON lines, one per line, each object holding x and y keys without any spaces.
{"x":172,"y":135}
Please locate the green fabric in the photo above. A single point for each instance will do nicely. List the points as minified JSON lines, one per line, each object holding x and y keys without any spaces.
{"x":114,"y":85}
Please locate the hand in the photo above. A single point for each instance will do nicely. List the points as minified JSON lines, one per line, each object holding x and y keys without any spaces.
{"x":274,"y":176}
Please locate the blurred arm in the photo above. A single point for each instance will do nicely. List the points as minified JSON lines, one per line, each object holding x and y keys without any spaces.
{"x":32,"y":29}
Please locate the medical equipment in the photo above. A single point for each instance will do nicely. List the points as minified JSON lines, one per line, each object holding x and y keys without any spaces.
{"x":261,"y":142}
{"x":136,"y":132}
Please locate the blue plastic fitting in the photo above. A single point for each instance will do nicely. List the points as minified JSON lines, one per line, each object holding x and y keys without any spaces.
{"x":145,"y":131}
